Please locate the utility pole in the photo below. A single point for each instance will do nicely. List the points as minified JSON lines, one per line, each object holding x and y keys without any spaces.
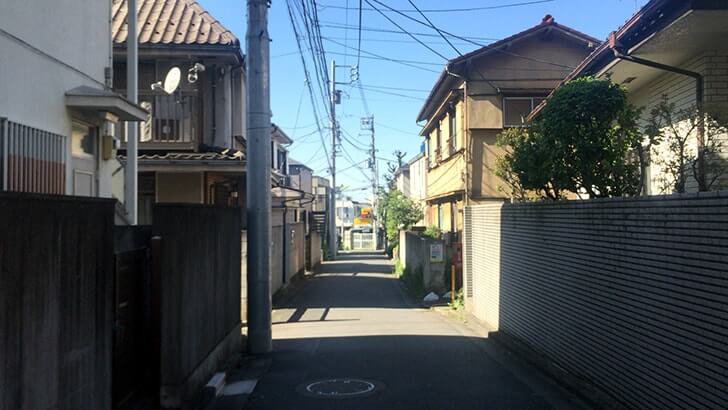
{"x":333,"y":233}
{"x":258,"y":183}
{"x":132,"y":128}
{"x":367,"y":124}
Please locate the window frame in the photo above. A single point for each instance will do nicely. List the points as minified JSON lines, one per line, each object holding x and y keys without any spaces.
{"x":505,"y":106}
{"x":452,"y":125}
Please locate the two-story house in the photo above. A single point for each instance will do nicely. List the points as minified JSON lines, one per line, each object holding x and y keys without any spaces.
{"x":57,"y":110}
{"x":477,"y":96}
{"x":669,"y":49}
{"x":191,"y":144}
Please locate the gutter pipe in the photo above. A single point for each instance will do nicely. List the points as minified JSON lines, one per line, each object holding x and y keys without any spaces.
{"x":699,"y":100}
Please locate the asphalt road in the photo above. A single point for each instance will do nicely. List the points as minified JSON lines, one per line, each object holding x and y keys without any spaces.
{"x":352,"y":323}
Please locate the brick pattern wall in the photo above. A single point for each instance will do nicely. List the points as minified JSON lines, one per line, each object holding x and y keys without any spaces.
{"x":716,"y":77}
{"x":482,"y":261}
{"x":630,"y":295}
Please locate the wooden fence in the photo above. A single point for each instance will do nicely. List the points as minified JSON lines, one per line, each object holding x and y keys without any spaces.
{"x":56,"y":274}
{"x":200,"y":295}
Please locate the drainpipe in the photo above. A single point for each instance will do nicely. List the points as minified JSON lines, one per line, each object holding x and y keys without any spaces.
{"x":698,"y":100}
{"x":214,"y":104}
{"x":285,"y":243}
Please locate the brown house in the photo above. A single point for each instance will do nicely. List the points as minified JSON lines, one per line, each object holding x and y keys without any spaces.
{"x":477,"y":96}
{"x":191,"y":146}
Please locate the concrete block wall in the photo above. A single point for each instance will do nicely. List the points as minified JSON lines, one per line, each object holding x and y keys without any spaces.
{"x":629,"y":295}
{"x":415,"y":254}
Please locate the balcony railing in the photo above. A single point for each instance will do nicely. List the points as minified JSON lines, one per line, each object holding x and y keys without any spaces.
{"x":173,"y":121}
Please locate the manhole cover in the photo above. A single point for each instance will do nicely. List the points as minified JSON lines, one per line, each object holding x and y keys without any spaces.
{"x":340,"y":388}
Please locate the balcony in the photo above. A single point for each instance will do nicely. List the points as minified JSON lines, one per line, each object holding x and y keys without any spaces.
{"x":174,"y":122}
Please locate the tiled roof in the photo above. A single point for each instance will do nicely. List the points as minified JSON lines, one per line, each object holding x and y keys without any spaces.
{"x":547,"y":23}
{"x":170,"y":22}
{"x":227,"y":155}
{"x":197,"y":156}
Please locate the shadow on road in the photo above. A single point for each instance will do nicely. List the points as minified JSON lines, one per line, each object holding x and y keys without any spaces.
{"x":410,"y":371}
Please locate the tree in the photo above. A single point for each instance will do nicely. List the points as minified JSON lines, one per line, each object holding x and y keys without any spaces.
{"x":397,"y":212}
{"x":586,"y":140}
{"x":675,"y":133}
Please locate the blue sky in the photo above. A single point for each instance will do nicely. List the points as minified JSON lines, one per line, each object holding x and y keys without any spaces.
{"x":394,"y":93}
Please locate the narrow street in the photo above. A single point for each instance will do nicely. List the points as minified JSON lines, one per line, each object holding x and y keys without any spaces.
{"x":354,"y":321}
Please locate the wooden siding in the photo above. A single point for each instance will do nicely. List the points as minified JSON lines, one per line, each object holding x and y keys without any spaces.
{"x":680,"y":90}
{"x":627,"y":294}
{"x":447,"y":177}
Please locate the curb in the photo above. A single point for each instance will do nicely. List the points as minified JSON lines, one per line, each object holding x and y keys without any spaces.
{"x":232,"y":389}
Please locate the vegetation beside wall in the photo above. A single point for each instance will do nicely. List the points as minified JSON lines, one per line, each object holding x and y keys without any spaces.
{"x":585,"y":141}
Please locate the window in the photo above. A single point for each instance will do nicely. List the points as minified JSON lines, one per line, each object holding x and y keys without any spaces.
{"x":516,"y":109}
{"x":452,"y":119}
{"x":83,"y":143}
{"x":438,"y":143}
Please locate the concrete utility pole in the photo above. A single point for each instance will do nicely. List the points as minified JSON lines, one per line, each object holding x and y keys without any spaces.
{"x":367,"y":124}
{"x":333,"y":236}
{"x":258,"y":183}
{"x":132,"y":128}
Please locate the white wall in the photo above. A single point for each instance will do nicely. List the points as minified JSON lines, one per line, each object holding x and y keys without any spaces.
{"x":48,"y":48}
{"x":680,"y":90}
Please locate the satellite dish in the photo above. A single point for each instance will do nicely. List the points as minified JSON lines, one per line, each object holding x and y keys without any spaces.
{"x":171,"y":81}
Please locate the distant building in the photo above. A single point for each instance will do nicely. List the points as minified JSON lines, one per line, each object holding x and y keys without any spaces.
{"x":321,"y":189}
{"x":417,"y":189}
{"x":354,"y":223}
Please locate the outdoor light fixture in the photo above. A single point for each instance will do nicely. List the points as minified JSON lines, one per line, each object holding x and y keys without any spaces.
{"x":193,"y":72}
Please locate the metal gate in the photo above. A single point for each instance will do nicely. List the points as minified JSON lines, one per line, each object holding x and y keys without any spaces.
{"x":362,"y":240}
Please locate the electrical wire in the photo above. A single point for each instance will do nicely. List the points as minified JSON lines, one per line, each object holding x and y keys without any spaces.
{"x":458,"y":10}
{"x":358,"y":52}
{"x":335,"y":25}
{"x":433,"y":26}
{"x":392,"y":60}
{"x":407,"y":32}
{"x":308,"y":80}
{"x":470,"y":41}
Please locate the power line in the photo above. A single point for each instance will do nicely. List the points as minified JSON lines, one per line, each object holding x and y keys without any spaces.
{"x":405,"y":31}
{"x":458,"y":10}
{"x":433,"y":26}
{"x":422,"y":90}
{"x":389,"y":127}
{"x":308,"y":79}
{"x":392,"y":60}
{"x":358,"y":52}
{"x":390,"y":40}
{"x":394,"y":94}
{"x":470,"y":41}
{"x":336,"y":25}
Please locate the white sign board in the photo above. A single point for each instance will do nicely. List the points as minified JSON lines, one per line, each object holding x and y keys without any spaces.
{"x":436,"y":253}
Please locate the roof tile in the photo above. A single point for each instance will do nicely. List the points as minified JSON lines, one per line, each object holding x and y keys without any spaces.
{"x":170,"y":22}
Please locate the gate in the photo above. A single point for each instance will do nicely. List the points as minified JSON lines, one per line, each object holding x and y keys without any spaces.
{"x":133,"y":356}
{"x":362,"y":240}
